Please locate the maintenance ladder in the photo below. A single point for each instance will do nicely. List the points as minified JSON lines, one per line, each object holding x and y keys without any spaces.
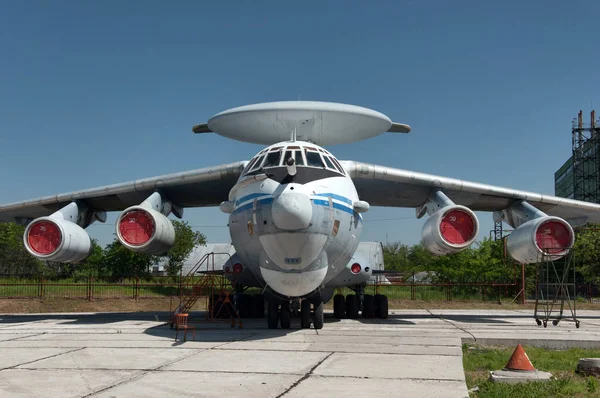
{"x":210,"y":284}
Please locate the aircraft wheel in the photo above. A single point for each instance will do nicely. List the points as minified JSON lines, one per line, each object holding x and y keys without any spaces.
{"x":352,"y":306}
{"x":539,"y":323}
{"x":305,"y":314}
{"x":381,"y":303}
{"x":272,"y":314}
{"x":368,"y":306}
{"x":318,"y":316}
{"x":339,"y":306}
{"x":258,"y":306}
{"x":285,"y":316}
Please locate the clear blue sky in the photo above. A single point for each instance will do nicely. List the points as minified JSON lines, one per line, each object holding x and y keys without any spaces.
{"x":94,"y":93}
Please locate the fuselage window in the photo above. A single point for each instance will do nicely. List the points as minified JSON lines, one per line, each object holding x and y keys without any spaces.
{"x":273,"y":159}
{"x":314,"y":159}
{"x":288,"y":154}
{"x":299,"y":159}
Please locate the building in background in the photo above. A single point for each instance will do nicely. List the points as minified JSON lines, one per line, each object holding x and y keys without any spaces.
{"x":579,"y":177}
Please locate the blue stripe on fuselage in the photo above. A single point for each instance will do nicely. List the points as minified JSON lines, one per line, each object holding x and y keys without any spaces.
{"x":337,"y":206}
{"x":334,"y":196}
{"x":249,"y":197}
{"x":249,"y":205}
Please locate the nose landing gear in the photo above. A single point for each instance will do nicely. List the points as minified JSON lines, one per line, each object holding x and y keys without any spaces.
{"x":279,"y":313}
{"x":317,"y":314}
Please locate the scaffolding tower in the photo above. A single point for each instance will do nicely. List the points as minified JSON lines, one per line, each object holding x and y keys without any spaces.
{"x":498,"y":230}
{"x":586,"y":159}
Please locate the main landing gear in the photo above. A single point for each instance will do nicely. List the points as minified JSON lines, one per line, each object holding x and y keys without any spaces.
{"x":279,"y":313}
{"x":370,"y":306}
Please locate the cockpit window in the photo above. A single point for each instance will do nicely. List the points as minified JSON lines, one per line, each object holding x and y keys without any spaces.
{"x":258,"y":163}
{"x":299,"y":159}
{"x":272,"y":159}
{"x":329,"y":163}
{"x":314,"y":159}
{"x":303,"y":156}
{"x":339,"y":166}
{"x":250,"y":165}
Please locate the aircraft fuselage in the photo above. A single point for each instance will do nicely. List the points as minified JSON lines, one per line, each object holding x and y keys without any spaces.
{"x":295,"y":227}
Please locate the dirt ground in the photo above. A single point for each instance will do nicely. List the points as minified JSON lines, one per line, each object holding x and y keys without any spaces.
{"x":30,"y":306}
{"x":15,"y":306}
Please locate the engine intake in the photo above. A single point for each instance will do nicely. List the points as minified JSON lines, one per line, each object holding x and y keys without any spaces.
{"x":450,"y":230}
{"x":145,"y":230}
{"x":57,"y":240}
{"x":543,"y":238}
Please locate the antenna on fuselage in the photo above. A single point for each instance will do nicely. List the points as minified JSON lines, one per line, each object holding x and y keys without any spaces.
{"x":294,"y":135}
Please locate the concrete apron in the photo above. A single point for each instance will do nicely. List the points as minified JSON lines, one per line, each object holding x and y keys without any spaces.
{"x":413,"y":353}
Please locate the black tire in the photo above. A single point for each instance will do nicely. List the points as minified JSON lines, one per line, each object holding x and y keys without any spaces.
{"x":258,"y":306}
{"x":272,"y":314}
{"x":368,"y":306}
{"x":382,"y":308}
{"x":339,"y":306}
{"x":285,"y":317}
{"x":305,"y":314}
{"x":352,"y":306}
{"x":318,"y":318}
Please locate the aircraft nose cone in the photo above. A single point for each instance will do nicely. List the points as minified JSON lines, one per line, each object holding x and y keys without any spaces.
{"x":291,"y":211}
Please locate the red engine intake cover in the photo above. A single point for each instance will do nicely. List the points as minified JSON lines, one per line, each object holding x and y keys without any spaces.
{"x":137,"y":227}
{"x":44,"y":237}
{"x":457,"y":227}
{"x":552,"y":237}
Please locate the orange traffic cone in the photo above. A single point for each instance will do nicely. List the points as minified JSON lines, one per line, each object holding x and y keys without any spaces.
{"x":519,"y":361}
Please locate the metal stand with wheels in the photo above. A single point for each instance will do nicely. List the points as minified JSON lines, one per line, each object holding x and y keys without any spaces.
{"x":555,"y":286}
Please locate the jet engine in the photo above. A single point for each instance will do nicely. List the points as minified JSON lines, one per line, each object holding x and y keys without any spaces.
{"x":543,"y":238}
{"x":53,"y":239}
{"x":145,"y":230}
{"x":449,"y":230}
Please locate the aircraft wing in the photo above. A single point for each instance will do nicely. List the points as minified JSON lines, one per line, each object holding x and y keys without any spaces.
{"x":195,"y":188}
{"x":386,"y":186}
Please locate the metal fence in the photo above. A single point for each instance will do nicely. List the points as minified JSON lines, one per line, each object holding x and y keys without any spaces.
{"x":24,"y":287}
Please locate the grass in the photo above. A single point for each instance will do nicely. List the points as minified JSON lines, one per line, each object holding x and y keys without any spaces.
{"x":478,"y":361}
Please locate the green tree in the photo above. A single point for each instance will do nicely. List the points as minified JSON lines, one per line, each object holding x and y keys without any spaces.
{"x":420,"y":258}
{"x":185,"y":241}
{"x":587,"y":252}
{"x":121,"y":263}
{"x":395,"y":257}
{"x":14,"y":258}
{"x":93,"y":265}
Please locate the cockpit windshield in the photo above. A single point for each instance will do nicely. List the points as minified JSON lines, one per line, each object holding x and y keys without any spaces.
{"x":304,"y":156}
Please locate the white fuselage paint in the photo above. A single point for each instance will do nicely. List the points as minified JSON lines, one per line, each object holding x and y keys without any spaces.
{"x":295,"y":236}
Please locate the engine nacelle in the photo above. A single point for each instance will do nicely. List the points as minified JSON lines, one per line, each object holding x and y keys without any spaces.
{"x":543,"y":238}
{"x":52,"y":239}
{"x":145,"y":230}
{"x":450,"y":230}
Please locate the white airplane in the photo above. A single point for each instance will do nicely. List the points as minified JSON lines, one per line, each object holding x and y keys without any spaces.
{"x":296,"y":212}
